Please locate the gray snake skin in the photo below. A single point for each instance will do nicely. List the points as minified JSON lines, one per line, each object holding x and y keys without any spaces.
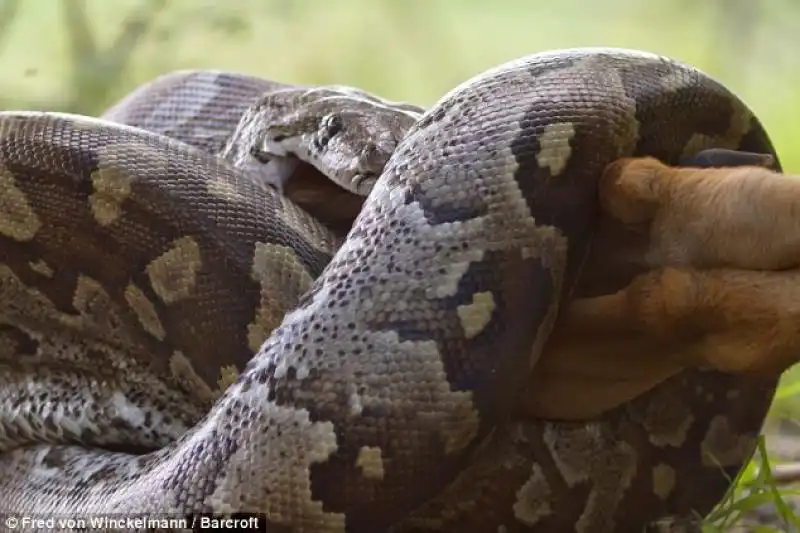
{"x":147,"y":365}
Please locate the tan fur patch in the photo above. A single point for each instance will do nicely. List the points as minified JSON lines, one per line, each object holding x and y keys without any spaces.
{"x":145,"y":311}
{"x":476,"y":316}
{"x":173,"y":275}
{"x":111,"y":188}
{"x":18,"y":220}
{"x":370,"y":462}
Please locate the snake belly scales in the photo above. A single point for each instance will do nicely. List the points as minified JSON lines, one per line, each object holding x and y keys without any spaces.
{"x":139,"y":275}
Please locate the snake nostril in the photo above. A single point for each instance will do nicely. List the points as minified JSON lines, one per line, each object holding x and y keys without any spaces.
{"x":259,"y":155}
{"x":370,"y":154}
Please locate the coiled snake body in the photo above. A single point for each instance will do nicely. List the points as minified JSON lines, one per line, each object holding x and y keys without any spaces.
{"x":138,"y":276}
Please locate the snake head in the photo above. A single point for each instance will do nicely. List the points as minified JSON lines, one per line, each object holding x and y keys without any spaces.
{"x":347,"y":138}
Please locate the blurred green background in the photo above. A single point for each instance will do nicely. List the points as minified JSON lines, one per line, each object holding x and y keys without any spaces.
{"x":80,"y":56}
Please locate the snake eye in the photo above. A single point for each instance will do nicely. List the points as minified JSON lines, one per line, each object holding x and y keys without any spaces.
{"x":372,"y":158}
{"x":369,"y":153}
{"x":331,"y":124}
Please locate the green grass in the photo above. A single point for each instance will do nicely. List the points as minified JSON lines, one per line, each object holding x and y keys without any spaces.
{"x":413,"y":50}
{"x":753,"y":487}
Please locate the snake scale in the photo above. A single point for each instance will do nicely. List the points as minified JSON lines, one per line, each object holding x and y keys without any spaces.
{"x":139,"y":276}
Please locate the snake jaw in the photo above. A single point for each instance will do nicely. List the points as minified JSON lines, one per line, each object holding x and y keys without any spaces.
{"x":273,"y":172}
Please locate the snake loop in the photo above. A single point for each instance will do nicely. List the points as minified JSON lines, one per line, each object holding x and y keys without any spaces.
{"x":144,"y":283}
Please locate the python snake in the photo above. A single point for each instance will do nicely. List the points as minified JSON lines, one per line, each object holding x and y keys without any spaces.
{"x":139,"y":275}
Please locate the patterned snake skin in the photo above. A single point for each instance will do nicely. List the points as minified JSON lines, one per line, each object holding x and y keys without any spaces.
{"x":138,"y":276}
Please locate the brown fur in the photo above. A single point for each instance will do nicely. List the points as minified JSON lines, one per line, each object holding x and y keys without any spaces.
{"x":728,"y":320}
{"x":741,"y":217}
{"x":608,"y":348}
